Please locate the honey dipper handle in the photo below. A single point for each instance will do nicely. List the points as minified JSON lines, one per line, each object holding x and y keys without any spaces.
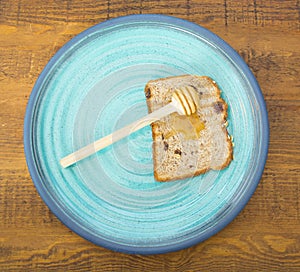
{"x":117,"y":135}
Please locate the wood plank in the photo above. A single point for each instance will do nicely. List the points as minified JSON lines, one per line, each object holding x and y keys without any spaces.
{"x":240,"y":252}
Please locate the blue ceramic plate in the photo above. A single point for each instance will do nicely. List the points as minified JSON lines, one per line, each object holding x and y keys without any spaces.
{"x":93,"y":86}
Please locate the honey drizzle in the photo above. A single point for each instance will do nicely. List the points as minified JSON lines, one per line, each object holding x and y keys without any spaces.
{"x":189,"y":126}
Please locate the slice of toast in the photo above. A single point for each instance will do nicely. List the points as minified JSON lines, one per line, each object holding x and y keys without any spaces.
{"x":188,"y":146}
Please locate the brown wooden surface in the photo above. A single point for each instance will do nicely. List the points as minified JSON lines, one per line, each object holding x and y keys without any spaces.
{"x":266,"y":234}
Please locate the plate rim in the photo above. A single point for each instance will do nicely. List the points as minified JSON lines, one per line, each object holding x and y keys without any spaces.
{"x":73,"y":225}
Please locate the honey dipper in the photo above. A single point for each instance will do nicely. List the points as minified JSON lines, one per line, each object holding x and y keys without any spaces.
{"x":184,"y":102}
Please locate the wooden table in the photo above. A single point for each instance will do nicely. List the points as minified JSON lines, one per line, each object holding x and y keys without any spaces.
{"x":266,"y":234}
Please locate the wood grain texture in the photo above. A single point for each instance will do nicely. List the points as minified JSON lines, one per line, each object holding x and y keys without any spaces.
{"x":266,"y":234}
